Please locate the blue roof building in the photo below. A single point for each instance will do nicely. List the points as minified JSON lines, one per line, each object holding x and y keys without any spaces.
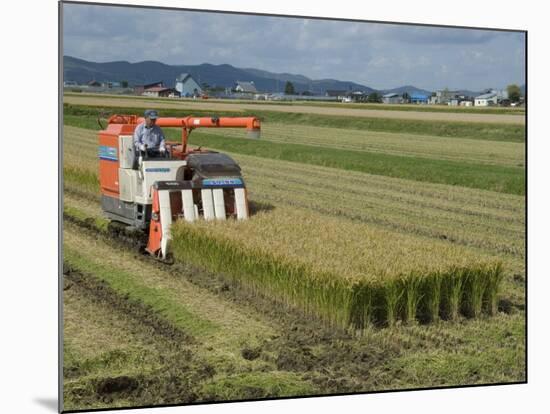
{"x":418,"y":98}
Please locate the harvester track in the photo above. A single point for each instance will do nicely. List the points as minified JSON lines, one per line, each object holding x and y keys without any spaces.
{"x":137,"y":311}
{"x":115,"y":232}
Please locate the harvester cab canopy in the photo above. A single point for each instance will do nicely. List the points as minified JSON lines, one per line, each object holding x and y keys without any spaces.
{"x":213,"y":164}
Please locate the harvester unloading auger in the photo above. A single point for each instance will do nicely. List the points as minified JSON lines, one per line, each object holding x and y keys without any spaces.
{"x":186,"y":183}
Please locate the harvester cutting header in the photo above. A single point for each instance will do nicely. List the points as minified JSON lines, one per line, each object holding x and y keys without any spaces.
{"x":148,"y":190}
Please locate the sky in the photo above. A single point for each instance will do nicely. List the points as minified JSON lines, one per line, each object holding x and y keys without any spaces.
{"x":381,"y":56}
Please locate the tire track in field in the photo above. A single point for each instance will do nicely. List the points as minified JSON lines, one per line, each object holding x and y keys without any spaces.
{"x":151,"y":361}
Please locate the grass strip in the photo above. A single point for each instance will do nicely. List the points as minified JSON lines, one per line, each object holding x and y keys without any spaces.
{"x":98,"y":223}
{"x":85,"y":179}
{"x":159,"y":300}
{"x":424,"y":146}
{"x":503,"y":179}
{"x":474,"y":130}
{"x":254,"y":385}
{"x":509,"y":180}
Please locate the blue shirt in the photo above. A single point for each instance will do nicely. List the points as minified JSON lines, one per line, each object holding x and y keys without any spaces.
{"x":152,"y":137}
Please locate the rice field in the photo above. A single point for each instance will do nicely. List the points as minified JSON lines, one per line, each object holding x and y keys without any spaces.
{"x":369,"y":241}
{"x":461,"y":215}
{"x":477,"y":218}
{"x":341,"y":280}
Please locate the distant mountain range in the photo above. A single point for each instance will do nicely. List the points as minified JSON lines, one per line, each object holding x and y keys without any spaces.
{"x":140,"y":73}
{"x":82,"y":71}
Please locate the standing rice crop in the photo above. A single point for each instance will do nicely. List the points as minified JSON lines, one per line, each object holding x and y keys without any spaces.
{"x":412,"y":289}
{"x":431,"y":295}
{"x":349,"y":274}
{"x":490,"y":297}
{"x":453,"y":283}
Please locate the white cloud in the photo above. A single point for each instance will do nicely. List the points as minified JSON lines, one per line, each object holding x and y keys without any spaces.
{"x":378,"y":55}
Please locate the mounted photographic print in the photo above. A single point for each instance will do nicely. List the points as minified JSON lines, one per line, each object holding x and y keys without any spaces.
{"x":263,"y":206}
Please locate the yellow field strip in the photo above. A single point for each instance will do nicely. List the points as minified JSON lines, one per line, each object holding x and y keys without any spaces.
{"x":319,"y":110}
{"x":455,"y":149}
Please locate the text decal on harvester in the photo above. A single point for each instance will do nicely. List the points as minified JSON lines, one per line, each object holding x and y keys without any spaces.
{"x":161,"y":170}
{"x":108,"y":153}
{"x":222,"y":181}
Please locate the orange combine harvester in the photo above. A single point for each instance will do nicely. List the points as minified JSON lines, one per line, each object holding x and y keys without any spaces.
{"x":150,"y":193}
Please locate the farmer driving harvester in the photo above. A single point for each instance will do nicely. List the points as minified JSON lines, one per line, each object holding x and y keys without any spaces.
{"x":148,"y":137}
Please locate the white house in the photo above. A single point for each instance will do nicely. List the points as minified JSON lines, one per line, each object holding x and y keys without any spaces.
{"x":246,"y":87}
{"x":486,"y":99}
{"x":161,"y":91}
{"x":187,"y":86}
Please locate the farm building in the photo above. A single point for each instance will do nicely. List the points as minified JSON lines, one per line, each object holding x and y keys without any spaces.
{"x":358,"y":96}
{"x":460,"y":101}
{"x":187,"y":86}
{"x":246,"y":87}
{"x":139,"y":89}
{"x":392,"y":98}
{"x":94,"y":83}
{"x":419,"y":98}
{"x":161,"y":91}
{"x":486,"y":99}
{"x":444,"y":96}
{"x":334,"y":93}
